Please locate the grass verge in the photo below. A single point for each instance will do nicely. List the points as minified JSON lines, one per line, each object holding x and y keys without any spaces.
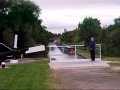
{"x":114,"y":64}
{"x":32,"y":76}
{"x":111,"y":58}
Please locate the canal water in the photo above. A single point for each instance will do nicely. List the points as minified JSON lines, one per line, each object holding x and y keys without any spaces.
{"x":57,"y":54}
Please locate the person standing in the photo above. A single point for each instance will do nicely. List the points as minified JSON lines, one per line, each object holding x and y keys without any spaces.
{"x":92,"y":48}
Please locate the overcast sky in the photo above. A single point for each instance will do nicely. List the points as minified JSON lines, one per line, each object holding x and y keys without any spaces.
{"x":58,"y":15}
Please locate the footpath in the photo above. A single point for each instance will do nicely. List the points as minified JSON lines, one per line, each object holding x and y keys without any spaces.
{"x":86,"y":79}
{"x":82,"y":74}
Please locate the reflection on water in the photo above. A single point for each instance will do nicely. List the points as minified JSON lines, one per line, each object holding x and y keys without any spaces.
{"x":57,"y":54}
{"x":82,"y":53}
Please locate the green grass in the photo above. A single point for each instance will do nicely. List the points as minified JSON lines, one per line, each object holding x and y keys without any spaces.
{"x":111,"y":58}
{"x":32,"y":76}
{"x":115,"y":60}
{"x":86,"y":53}
{"x":115,"y":64}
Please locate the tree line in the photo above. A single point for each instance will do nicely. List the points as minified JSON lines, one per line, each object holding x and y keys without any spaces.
{"x":22,"y":17}
{"x":108,"y":36}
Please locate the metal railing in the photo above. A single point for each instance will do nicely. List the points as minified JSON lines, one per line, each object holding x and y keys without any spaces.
{"x":75,"y":48}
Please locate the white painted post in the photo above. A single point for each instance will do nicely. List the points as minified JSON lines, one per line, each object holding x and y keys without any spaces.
{"x":50,"y":53}
{"x":100,"y":51}
{"x":3,"y":64}
{"x":15,"y":47}
{"x":21,"y":56}
{"x":15,"y":41}
{"x":75,"y":52}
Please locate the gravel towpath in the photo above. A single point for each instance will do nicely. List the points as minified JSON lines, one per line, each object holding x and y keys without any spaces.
{"x":88,"y":79}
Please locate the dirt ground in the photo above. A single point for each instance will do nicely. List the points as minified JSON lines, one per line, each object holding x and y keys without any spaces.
{"x":86,"y":79}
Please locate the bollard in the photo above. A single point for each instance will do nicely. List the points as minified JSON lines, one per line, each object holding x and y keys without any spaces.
{"x":3,"y":64}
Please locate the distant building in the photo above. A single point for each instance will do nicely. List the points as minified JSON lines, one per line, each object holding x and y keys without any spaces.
{"x":65,"y":30}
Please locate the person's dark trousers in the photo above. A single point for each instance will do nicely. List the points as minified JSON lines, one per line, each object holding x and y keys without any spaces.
{"x":92,"y":52}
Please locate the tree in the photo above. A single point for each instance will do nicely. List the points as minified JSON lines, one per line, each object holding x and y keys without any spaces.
{"x":22,"y":17}
{"x":89,"y":28}
{"x":70,"y":37}
{"x":117,"y":21}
